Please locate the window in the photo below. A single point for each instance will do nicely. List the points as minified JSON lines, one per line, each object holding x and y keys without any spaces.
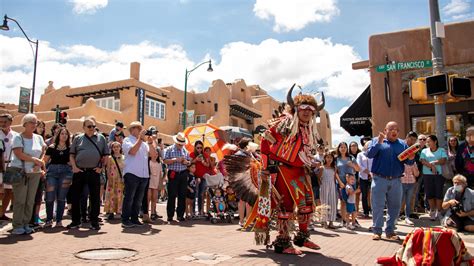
{"x":109,"y":103}
{"x":201,"y":119}
{"x":155,"y":108}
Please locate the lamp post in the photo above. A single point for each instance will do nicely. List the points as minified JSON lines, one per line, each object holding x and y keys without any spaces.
{"x":188,"y":72}
{"x":5,"y":27}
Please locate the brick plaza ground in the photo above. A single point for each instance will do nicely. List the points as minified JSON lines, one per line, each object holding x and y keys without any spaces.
{"x":174,"y":244}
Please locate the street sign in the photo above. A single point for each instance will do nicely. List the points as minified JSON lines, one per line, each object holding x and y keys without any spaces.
{"x":24,"y":105}
{"x":397,"y":66}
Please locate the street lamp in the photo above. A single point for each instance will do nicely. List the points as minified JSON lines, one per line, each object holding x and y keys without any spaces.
{"x":209,"y":69}
{"x":5,"y":27}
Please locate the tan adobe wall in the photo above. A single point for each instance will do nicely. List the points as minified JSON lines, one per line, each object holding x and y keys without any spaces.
{"x":411,"y":45}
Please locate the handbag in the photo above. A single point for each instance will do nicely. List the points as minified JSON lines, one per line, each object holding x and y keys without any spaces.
{"x":14,"y":175}
{"x":447,"y":171}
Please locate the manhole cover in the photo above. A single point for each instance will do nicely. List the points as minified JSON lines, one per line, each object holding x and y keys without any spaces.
{"x":106,"y":254}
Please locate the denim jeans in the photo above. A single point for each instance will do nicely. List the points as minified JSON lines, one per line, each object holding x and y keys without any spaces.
{"x":390,"y":191}
{"x":407,"y":196}
{"x":58,"y":181}
{"x":200,"y":194}
{"x":364,"y":188}
{"x":134,"y":190}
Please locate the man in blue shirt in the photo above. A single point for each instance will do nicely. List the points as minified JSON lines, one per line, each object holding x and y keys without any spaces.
{"x":177,"y":159}
{"x":386,"y":185}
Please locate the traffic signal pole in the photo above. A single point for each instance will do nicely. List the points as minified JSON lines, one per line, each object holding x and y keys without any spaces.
{"x":438,"y":68}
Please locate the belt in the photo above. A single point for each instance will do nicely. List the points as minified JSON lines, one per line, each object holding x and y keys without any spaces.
{"x":87,"y":169}
{"x":388,"y":177}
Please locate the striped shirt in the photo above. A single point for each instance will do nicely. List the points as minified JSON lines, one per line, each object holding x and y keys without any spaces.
{"x":173,"y":152}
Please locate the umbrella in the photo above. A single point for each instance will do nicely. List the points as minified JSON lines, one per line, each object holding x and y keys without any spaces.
{"x":210,"y":135}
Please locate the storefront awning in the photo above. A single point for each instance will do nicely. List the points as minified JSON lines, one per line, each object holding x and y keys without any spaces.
{"x":356,"y":120}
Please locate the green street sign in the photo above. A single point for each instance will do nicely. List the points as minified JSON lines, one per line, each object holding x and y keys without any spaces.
{"x":397,"y":66}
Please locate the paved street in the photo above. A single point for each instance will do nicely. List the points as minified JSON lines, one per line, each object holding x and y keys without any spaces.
{"x":177,"y":242}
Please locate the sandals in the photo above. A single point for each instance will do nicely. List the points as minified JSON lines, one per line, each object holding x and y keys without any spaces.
{"x":393,"y":237}
{"x":376,"y":237}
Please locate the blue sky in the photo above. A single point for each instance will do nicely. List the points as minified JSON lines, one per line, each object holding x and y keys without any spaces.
{"x":270,"y":43}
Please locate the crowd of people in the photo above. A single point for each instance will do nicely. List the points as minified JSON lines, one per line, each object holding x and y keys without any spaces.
{"x":127,"y":175}
{"x":436,"y":181}
{"x":129,"y":170}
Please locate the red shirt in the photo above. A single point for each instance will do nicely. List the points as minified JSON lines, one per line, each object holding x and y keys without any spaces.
{"x":201,"y":169}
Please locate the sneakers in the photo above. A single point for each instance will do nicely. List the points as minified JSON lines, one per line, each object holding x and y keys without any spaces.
{"x":18,"y":231}
{"x":59,"y":224}
{"x":408,"y":221}
{"x":73,"y":225}
{"x":127,"y":224}
{"x":48,"y":224}
{"x":110,"y":216}
{"x":350,"y":226}
{"x":433,"y":215}
{"x":28,"y":230}
{"x":393,"y":236}
{"x":95,"y":226}
{"x":137,"y":223}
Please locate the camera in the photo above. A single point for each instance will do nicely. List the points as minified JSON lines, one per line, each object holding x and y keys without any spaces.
{"x":150,"y":132}
{"x":457,"y":208}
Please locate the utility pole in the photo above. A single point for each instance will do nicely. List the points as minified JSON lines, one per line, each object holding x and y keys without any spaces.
{"x":438,"y":68}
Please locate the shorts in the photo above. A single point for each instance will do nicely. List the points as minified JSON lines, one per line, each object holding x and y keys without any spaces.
{"x":350,"y":207}
{"x":154,"y":182}
{"x":434,"y":186}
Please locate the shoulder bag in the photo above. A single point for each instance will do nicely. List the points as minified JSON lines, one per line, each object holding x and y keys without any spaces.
{"x":14,"y":175}
{"x":446,"y":170}
{"x":95,"y":145}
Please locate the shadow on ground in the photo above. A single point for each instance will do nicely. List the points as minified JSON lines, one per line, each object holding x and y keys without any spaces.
{"x":307,"y":258}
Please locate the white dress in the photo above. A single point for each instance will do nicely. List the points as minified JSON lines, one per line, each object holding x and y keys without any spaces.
{"x":328,"y":194}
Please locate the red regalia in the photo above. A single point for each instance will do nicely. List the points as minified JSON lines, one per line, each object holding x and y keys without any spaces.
{"x":283,"y":181}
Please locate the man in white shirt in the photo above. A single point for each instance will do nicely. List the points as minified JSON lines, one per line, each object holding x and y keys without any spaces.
{"x":136,"y":173}
{"x":365,"y":177}
{"x":6,"y":134}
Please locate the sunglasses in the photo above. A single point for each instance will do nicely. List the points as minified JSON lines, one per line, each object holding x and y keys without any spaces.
{"x":306,"y":107}
{"x":198,"y":148}
{"x":423,"y":139}
{"x":90,"y":126}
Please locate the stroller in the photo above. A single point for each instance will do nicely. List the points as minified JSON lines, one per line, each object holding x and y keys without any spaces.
{"x":219,"y":211}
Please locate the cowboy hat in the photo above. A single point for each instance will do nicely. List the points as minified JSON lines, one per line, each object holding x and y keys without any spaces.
{"x":135,"y":124}
{"x":179,"y":138}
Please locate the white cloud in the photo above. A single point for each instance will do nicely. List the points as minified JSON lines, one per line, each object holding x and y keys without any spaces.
{"x":313,"y":63}
{"x":458,"y":10}
{"x":309,"y":62}
{"x":338,"y":133}
{"x":88,"y":6}
{"x":296,"y":14}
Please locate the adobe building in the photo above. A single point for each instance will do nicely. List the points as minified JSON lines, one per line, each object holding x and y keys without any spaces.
{"x":233,"y":104}
{"x":388,"y":93}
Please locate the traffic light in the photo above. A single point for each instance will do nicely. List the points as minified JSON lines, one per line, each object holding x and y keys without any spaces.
{"x":417,"y":89}
{"x":63,"y":118}
{"x":437,"y":84}
{"x":460,"y":87}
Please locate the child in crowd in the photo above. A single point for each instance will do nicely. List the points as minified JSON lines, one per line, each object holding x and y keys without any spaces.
{"x":328,"y":176}
{"x":115,"y":184}
{"x":231,"y":199}
{"x":351,"y":191}
{"x":408,"y":180}
{"x":155,"y":179}
{"x":219,"y":201}
{"x":190,"y":191}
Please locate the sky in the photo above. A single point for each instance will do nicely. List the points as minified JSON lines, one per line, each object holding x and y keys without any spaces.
{"x":272,"y":43}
